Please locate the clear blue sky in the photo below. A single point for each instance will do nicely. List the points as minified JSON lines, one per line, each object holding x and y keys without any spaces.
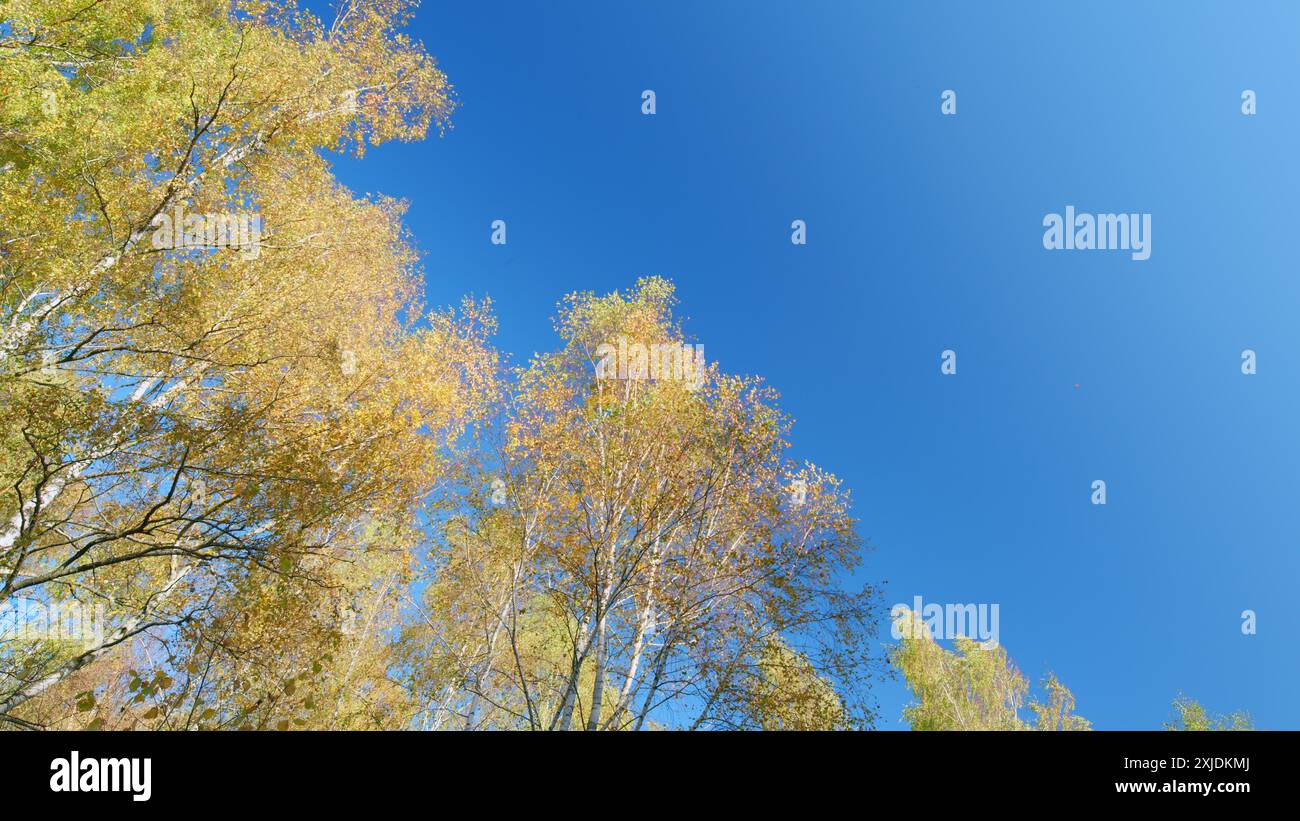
{"x":924,"y":233}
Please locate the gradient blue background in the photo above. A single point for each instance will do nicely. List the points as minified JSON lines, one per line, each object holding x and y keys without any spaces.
{"x":924,"y":233}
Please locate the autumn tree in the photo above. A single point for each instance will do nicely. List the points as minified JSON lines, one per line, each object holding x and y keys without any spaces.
{"x":637,"y":550}
{"x":975,"y":688}
{"x":1189,"y":715}
{"x":198,"y":432}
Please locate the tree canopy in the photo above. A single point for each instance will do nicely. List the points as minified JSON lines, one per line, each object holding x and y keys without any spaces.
{"x":285,"y":493}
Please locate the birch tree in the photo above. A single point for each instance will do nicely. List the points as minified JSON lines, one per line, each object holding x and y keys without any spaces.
{"x":186,"y":418}
{"x":652,"y":558}
{"x":977,"y":687}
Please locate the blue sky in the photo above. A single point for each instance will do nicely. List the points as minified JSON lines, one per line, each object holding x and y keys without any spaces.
{"x":924,"y":234}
